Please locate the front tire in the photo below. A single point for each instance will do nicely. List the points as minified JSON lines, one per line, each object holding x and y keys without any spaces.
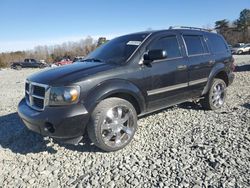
{"x":113,"y":124}
{"x":216,"y":96}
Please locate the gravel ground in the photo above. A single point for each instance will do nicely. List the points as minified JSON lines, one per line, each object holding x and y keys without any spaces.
{"x":182,"y":146}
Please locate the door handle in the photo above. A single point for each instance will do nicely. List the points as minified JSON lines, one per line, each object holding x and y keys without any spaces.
{"x":211,"y":62}
{"x":182,"y":67}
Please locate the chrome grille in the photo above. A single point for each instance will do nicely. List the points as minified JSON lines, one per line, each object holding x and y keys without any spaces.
{"x":35,"y":94}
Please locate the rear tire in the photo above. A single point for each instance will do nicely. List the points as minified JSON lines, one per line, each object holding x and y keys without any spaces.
{"x":113,"y":124}
{"x":216,"y":96}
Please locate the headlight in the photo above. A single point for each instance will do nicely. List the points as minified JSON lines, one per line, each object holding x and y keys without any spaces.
{"x":64,"y":95}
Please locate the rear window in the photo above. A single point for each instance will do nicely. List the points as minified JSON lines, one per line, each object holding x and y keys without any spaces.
{"x":217,"y":43}
{"x":195,"y":44}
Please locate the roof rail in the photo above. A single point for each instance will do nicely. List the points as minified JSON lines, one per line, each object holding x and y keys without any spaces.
{"x":194,"y":28}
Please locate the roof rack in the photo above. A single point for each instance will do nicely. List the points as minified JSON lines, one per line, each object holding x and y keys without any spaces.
{"x":194,"y":28}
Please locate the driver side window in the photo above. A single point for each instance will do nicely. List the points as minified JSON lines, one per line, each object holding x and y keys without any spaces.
{"x":169,"y":43}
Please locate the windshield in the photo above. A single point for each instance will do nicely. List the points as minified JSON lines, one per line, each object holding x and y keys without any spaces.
{"x":117,"y":50}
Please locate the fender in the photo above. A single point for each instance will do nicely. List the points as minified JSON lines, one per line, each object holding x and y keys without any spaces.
{"x":215,"y":70}
{"x":111,"y":87}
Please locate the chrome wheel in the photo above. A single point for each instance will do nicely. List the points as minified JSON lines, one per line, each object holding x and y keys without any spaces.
{"x":118,"y":126}
{"x":218,"y":95}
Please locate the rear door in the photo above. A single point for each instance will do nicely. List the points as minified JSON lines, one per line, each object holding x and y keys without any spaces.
{"x":168,"y":77}
{"x":200,"y":61}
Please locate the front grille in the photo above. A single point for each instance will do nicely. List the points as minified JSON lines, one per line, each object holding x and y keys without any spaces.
{"x":27,"y":86}
{"x":35,"y":95}
{"x":39,"y":91}
{"x":38,"y":102}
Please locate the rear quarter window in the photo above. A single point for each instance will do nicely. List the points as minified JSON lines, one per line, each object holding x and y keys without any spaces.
{"x":195,"y":44}
{"x":217,"y":44}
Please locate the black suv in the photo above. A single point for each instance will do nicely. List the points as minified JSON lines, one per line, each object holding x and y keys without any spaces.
{"x":127,"y":77}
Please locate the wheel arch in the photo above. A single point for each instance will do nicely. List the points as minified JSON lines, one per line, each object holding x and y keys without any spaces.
{"x":128,"y":97}
{"x":116,"y":88}
{"x":218,"y":71}
{"x":222,"y":75}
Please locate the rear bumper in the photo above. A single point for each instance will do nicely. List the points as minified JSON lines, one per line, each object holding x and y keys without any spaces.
{"x":63,"y":123}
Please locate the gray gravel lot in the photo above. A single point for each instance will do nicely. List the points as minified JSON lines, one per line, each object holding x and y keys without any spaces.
{"x":182,"y":146}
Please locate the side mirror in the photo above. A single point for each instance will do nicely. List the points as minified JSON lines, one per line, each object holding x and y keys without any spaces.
{"x":155,"y":55}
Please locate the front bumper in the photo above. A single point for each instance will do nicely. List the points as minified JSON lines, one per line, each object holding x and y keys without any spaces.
{"x":62,"y":123}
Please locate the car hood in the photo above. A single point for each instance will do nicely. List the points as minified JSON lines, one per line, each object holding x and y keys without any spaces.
{"x":69,"y":73}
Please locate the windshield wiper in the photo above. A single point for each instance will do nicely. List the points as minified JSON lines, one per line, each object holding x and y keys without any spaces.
{"x":92,"y":59}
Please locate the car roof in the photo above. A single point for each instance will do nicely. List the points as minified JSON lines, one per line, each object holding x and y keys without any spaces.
{"x":194,"y":31}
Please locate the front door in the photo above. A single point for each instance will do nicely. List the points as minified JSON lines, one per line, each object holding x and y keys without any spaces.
{"x":168,"y":77}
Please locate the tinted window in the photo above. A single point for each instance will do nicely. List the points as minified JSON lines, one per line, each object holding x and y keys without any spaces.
{"x":170,"y":44}
{"x":237,"y":46}
{"x":195,"y":44}
{"x":217,"y":43}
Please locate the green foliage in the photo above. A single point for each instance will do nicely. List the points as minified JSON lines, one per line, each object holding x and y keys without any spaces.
{"x":222,"y":24}
{"x":239,"y":31}
{"x":101,"y":41}
{"x":244,"y":19}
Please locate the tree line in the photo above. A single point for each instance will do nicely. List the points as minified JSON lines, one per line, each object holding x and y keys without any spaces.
{"x":53,"y":53}
{"x":237,"y":30}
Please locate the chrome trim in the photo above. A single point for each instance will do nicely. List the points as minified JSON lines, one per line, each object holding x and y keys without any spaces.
{"x":160,"y":60}
{"x":198,"y":54}
{"x":199,"y":81}
{"x":168,"y":88}
{"x":38,"y":84}
{"x":167,"y":59}
{"x":30,"y":102}
{"x":138,"y":47}
{"x":174,"y":87}
{"x":36,"y":96}
{"x":194,"y":55}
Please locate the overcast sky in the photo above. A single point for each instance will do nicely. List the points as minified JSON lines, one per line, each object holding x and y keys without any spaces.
{"x":28,"y":23}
